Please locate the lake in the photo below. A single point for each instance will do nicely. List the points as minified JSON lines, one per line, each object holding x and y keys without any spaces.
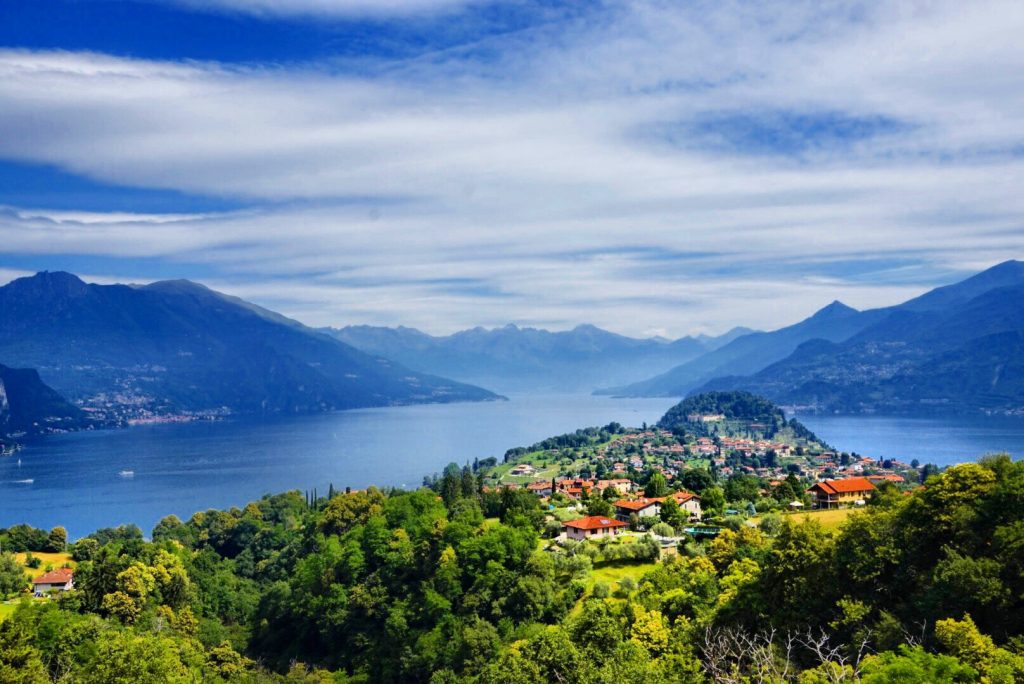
{"x":73,"y":480}
{"x":183,"y":468}
{"x":930,"y":440}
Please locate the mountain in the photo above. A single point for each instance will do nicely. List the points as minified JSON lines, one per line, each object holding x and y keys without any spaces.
{"x":514,"y":359}
{"x":177,"y":346}
{"x":28,"y":406}
{"x":963,"y":356}
{"x":841,"y":359}
{"x":750,"y":353}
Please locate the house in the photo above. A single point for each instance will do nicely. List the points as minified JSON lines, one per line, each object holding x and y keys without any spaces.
{"x":836,"y":493}
{"x":592,"y":527}
{"x":523,"y":469}
{"x":61,"y":579}
{"x":540,"y":488}
{"x":621,"y":485}
{"x":650,"y":508}
{"x":690,"y":503}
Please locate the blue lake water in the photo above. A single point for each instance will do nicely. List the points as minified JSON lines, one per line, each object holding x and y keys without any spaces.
{"x":930,"y":440}
{"x":184,"y":468}
{"x":181,"y":469}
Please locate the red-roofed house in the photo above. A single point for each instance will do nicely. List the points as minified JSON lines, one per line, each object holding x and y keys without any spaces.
{"x":61,"y":579}
{"x":592,"y":527}
{"x":649,"y":508}
{"x":836,"y":493}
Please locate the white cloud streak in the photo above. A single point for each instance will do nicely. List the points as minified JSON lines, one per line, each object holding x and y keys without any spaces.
{"x":542,"y":187}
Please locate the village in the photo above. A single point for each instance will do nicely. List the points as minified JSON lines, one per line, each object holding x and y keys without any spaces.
{"x":682,"y":486}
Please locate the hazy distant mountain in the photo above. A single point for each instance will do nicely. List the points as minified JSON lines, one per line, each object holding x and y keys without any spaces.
{"x":29,"y":406}
{"x":752,"y":352}
{"x":964,"y":355}
{"x":514,"y":359}
{"x":178,"y":346}
{"x":954,"y":348}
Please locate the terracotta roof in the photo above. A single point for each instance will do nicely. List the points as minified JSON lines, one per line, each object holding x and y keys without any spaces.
{"x":636,"y":504}
{"x":58,"y":576}
{"x":594,"y":522}
{"x":845,"y":486}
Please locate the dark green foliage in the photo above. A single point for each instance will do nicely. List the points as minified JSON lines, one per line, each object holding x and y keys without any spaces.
{"x":405,"y":587}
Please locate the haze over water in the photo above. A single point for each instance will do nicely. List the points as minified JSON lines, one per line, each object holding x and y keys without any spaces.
{"x":180,"y":469}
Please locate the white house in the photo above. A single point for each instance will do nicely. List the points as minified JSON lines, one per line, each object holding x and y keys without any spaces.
{"x":61,"y":579}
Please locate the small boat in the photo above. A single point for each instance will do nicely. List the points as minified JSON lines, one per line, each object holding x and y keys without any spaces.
{"x":127,"y":473}
{"x":29,"y":481}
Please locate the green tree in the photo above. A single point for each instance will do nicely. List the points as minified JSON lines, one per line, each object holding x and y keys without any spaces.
{"x":656,"y":486}
{"x":57,"y":541}
{"x":12,"y":575}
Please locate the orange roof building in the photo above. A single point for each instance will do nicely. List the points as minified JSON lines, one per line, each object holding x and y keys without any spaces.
{"x":836,"y":493}
{"x":593,"y":526}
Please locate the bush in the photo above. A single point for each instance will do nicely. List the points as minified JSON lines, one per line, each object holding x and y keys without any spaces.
{"x":663,"y":530}
{"x":32,"y":562}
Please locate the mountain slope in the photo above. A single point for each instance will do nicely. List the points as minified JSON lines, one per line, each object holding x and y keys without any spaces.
{"x":750,"y":353}
{"x":29,"y":406}
{"x":515,"y":359}
{"x":177,"y":346}
{"x":963,"y":357}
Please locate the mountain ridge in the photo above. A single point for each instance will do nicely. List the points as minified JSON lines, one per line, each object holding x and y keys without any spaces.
{"x":511,"y":358}
{"x":178,"y":346}
{"x":875,"y":359}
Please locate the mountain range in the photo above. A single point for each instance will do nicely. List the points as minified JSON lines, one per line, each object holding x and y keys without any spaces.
{"x":179,"y":347}
{"x":956,"y":348}
{"x":521,"y":359}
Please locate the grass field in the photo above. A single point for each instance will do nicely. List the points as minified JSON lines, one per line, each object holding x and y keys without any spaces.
{"x":6,"y":609}
{"x":57,"y":560}
{"x":830,"y":519}
{"x":613,"y":574}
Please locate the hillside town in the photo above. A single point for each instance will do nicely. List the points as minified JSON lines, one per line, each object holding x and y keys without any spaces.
{"x":599,"y":483}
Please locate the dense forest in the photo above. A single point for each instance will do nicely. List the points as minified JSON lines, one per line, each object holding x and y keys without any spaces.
{"x":453,"y":584}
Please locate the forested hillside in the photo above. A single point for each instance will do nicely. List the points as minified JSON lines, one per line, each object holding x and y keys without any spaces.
{"x":417,"y":587}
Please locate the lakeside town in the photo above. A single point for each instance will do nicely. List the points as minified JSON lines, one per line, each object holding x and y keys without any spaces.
{"x":706,"y":473}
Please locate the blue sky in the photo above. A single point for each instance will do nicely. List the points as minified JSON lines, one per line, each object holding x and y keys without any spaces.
{"x":650,"y":167}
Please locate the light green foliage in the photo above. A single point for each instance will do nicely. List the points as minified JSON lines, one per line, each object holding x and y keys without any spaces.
{"x":912,"y":666}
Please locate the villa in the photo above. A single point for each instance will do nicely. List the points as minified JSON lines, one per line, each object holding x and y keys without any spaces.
{"x":594,"y":526}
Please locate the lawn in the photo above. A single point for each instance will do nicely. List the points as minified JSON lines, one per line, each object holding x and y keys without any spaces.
{"x":6,"y":609}
{"x":613,"y":574}
{"x":57,"y":560}
{"x":830,"y":519}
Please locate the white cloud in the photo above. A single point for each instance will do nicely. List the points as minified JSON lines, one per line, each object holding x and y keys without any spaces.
{"x":329,"y":8}
{"x":433,"y":186}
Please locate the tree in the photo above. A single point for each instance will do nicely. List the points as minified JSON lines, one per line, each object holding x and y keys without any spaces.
{"x":599,"y":506}
{"x":671,"y":513}
{"x":713,"y":500}
{"x":656,"y":486}
{"x":696,"y":480}
{"x":57,"y":541}
{"x":12,"y":575}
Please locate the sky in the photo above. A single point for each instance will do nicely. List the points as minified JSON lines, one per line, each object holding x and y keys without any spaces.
{"x":653,"y":168}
